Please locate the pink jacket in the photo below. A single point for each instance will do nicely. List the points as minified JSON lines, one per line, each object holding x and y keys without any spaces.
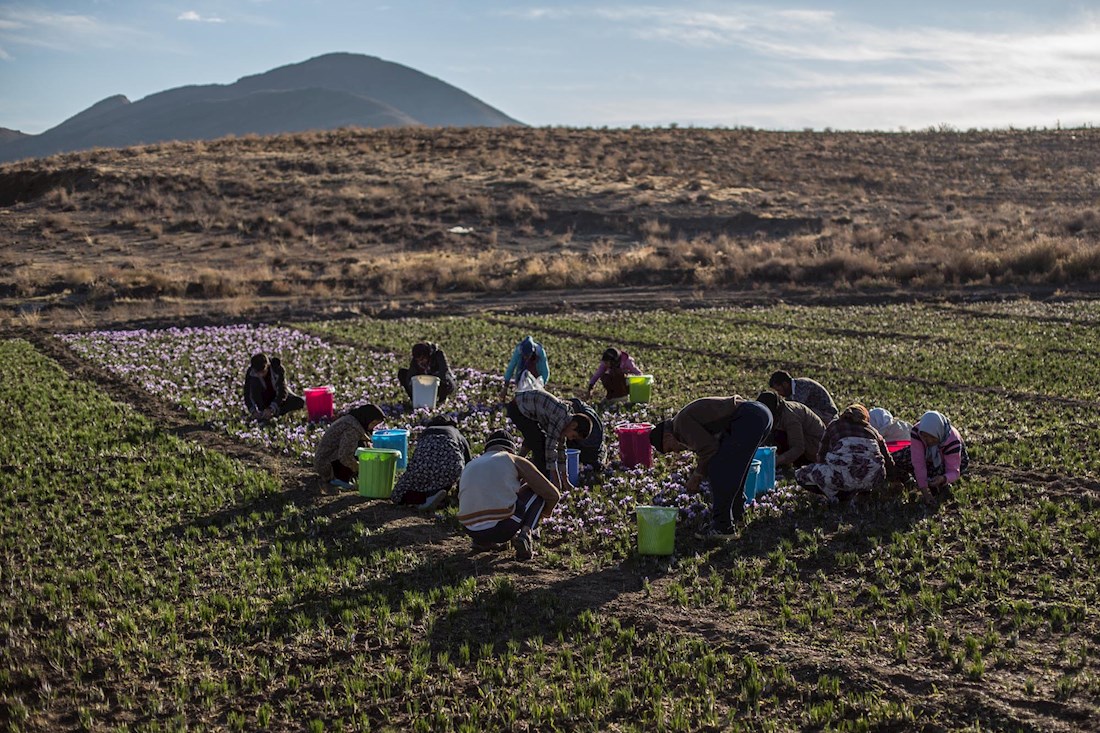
{"x":950,"y":449}
{"x":626,"y":364}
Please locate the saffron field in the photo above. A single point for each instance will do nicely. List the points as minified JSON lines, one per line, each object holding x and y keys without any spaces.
{"x":154,"y":583}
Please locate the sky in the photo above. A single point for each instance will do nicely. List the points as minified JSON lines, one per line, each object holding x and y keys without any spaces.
{"x":840,"y":64}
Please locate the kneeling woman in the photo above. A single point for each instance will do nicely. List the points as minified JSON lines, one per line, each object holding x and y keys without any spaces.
{"x":852,"y":458}
{"x":334,"y":459}
{"x":938,"y":454}
{"x":434,"y":467}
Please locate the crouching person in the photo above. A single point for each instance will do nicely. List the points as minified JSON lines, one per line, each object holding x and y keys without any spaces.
{"x":334,"y":460}
{"x":434,"y":467}
{"x":265,"y":392}
{"x":852,"y":458}
{"x":502,"y":497}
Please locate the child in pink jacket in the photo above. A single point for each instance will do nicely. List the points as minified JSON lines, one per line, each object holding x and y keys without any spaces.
{"x":614,"y":366}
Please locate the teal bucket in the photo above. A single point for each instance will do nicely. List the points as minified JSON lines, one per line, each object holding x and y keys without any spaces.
{"x":752,"y":482}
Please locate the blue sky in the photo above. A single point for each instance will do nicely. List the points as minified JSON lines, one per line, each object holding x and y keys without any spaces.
{"x":845,"y":64}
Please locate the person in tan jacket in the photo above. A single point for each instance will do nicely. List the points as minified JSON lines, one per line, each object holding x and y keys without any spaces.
{"x":724,"y":433}
{"x":334,"y":460}
{"x":797,"y":428}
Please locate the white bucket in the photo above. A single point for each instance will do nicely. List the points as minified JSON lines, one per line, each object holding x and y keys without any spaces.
{"x":425,"y":387}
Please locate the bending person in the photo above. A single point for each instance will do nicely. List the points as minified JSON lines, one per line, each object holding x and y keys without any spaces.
{"x":852,"y":458}
{"x":807,"y":391}
{"x":724,"y":433}
{"x":434,"y":466}
{"x":427,"y":358}
{"x":502,"y":497}
{"x":938,"y":454}
{"x":614,"y":366}
{"x":265,"y":392}
{"x":546,"y":423}
{"x":334,"y":460}
{"x":529,"y":357}
{"x":796,"y":428}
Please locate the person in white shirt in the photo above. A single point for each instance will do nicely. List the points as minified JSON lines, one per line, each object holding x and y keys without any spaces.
{"x":502,"y":496}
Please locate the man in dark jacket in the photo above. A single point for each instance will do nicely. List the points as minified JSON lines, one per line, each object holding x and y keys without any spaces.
{"x":427,"y":358}
{"x":593,"y":451}
{"x":724,"y":433}
{"x":265,"y":391}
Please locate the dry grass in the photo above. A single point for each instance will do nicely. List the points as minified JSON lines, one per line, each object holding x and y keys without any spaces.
{"x":351,"y":212}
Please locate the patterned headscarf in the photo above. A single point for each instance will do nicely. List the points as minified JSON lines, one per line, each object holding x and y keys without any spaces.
{"x":856,"y":413}
{"x":937,"y":425}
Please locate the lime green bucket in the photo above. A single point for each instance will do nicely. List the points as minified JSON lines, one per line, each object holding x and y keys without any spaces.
{"x":656,"y":529}
{"x":377,"y":467}
{"x":640,"y":386}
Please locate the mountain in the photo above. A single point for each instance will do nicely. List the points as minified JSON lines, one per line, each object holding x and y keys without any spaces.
{"x":7,"y":135}
{"x":323,"y":93}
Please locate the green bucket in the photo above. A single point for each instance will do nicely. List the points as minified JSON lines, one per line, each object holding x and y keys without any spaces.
{"x":377,"y":467}
{"x":640,"y":386}
{"x":656,"y":529}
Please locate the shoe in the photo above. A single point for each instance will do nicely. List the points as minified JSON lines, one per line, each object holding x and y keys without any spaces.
{"x":716,"y":533}
{"x":435,"y":500}
{"x":524,"y":545}
{"x":341,"y":484}
{"x":490,"y":547}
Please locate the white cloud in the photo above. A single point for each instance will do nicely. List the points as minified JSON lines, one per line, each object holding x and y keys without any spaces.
{"x":63,"y":31}
{"x":821,"y":68}
{"x":4,"y":55}
{"x":192,"y":16}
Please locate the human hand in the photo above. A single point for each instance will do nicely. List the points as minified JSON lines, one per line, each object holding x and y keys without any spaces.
{"x":693,"y":483}
{"x":926,"y":497}
{"x":938,"y":482}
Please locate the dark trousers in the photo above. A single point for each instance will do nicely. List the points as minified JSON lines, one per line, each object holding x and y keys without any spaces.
{"x":528,"y":512}
{"x":730,"y":465}
{"x":446,"y":385}
{"x":532,"y":436}
{"x":342,"y":472}
{"x":614,"y":383}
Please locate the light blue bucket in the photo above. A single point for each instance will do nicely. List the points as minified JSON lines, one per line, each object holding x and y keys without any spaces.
{"x":752,"y":482}
{"x":395,"y":439}
{"x":766,"y":456}
{"x":573,"y":464}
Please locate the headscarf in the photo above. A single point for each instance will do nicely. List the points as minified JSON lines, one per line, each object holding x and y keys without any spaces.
{"x":880,"y":418}
{"x":422,"y":350}
{"x":857,"y":414}
{"x":366,"y":414}
{"x":500,"y":440}
{"x":611,"y":355}
{"x":938,"y":426}
{"x":527,"y":348}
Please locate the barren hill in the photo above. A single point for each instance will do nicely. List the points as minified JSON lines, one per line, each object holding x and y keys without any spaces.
{"x":379,"y":213}
{"x":324,"y":93}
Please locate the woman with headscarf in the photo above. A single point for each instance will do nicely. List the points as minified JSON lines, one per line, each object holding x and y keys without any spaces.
{"x":434,"y":467}
{"x":892,"y":429}
{"x":334,"y":460}
{"x":852,"y":458}
{"x":938,"y":454}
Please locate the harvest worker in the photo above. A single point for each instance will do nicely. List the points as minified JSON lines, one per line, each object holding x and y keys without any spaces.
{"x":797,"y":430}
{"x":724,"y":432}
{"x":334,"y":459}
{"x":592,"y":449}
{"x":434,"y":467}
{"x":611,"y":373}
{"x":427,"y":358}
{"x":265,"y":391}
{"x":852,"y":458}
{"x":938,"y":454}
{"x":529,"y":357}
{"x":546,"y":423}
{"x":889,"y":427}
{"x":502,"y":497}
{"x":806,"y":391}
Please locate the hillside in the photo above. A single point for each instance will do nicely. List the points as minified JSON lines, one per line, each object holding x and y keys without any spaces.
{"x":324,"y":93}
{"x":380,"y":213}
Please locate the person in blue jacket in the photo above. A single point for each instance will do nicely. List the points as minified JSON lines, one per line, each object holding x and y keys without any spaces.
{"x":528,"y":356}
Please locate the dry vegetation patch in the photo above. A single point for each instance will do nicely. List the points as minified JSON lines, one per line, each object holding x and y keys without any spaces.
{"x":393,"y":211}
